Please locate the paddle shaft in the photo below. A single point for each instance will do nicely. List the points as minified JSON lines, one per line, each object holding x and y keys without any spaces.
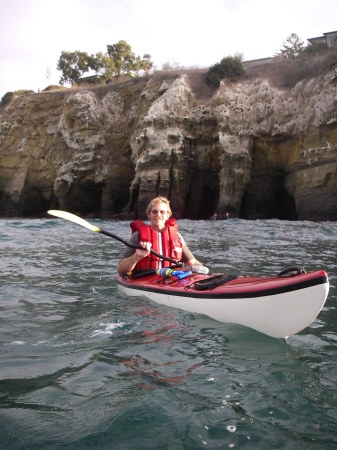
{"x":107,"y":233}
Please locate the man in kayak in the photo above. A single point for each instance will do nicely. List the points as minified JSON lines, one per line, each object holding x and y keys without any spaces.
{"x":161,"y":235}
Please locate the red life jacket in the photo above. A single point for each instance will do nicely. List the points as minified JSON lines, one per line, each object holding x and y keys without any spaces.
{"x":171,"y":245}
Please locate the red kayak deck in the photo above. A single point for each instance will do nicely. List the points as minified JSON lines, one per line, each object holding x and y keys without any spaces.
{"x":241,"y":286}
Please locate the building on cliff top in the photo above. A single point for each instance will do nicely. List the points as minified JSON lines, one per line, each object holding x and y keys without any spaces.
{"x":328,"y":39}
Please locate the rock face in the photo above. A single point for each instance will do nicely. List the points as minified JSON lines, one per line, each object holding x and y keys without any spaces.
{"x":254,"y":150}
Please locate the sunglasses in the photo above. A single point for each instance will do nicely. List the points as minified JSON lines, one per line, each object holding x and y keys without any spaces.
{"x":155,"y":211}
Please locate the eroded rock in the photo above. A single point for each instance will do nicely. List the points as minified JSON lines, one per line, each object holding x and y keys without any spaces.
{"x":254,"y":150}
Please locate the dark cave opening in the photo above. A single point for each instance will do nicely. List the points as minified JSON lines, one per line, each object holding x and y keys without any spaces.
{"x":133,"y":204}
{"x":203,"y":196}
{"x":209,"y":202}
{"x":201,"y":205}
{"x":32,"y":201}
{"x":267,"y":197}
{"x":84,"y":198}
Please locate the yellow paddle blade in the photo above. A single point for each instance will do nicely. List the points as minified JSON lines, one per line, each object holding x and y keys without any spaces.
{"x":73,"y":218}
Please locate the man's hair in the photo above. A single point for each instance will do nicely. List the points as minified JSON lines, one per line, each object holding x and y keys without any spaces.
{"x":157,"y":200}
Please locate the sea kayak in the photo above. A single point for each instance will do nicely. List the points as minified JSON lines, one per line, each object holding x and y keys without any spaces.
{"x":278,"y":306}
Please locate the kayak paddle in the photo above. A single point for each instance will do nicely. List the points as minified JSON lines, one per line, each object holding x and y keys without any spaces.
{"x":73,"y":218}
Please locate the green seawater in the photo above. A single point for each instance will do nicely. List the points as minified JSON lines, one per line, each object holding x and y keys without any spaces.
{"x":84,"y":367}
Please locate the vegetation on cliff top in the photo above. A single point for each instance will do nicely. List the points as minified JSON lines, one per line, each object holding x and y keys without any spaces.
{"x":230,"y":68}
{"x":118,"y":60}
{"x":293,"y":63}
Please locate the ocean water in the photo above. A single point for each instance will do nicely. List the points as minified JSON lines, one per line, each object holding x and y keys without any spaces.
{"x":84,"y":367}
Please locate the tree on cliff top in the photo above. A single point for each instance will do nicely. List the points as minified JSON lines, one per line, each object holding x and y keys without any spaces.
{"x":292,"y":47}
{"x":125,"y":61}
{"x":119,"y":60}
{"x":230,"y":67}
{"x":74,"y":64}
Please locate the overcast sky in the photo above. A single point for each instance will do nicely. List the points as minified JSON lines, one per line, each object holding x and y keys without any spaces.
{"x":190,"y":33}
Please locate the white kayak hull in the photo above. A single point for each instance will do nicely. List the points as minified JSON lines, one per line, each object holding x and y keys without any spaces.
{"x":279,"y":312}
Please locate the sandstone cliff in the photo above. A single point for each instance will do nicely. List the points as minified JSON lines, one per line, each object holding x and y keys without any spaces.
{"x":253,"y":149}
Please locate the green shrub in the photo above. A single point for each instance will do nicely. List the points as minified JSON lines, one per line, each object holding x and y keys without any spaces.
{"x":6,"y":98}
{"x":230,"y":67}
{"x":314,"y":48}
{"x":53,"y":87}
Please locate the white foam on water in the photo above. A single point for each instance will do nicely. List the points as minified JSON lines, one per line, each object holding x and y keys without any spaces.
{"x":107,"y":329}
{"x":40,"y":343}
{"x":18,"y":342}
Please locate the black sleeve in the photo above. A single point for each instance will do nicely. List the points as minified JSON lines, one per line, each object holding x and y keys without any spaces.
{"x":129,"y":251}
